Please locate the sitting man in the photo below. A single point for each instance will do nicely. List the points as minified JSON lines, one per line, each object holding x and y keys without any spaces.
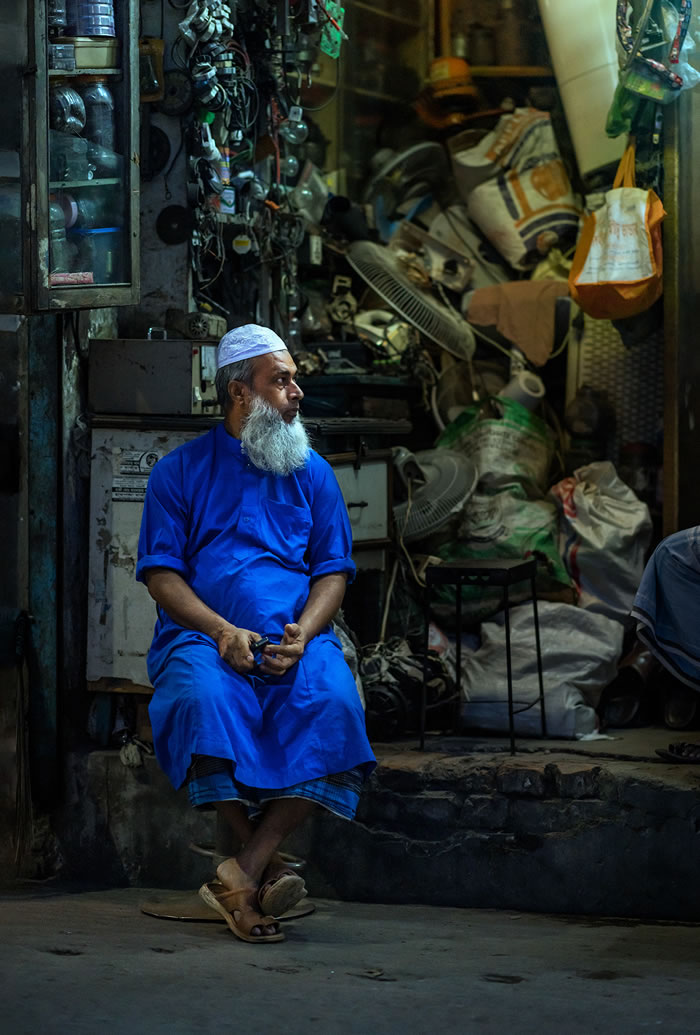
{"x":664,"y":609}
{"x":245,"y":535}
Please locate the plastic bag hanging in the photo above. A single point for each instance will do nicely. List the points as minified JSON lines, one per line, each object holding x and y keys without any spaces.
{"x":618,"y":264}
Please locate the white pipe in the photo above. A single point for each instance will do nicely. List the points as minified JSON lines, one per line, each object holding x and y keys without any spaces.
{"x":581,"y":37}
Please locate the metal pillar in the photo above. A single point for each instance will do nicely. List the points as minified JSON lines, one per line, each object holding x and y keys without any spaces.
{"x":44,"y":489}
{"x":681,"y":313}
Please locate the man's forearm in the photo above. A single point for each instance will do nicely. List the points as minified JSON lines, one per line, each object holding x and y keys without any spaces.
{"x":324,"y":600}
{"x":181,"y":603}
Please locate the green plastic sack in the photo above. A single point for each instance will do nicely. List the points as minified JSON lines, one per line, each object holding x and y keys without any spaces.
{"x":508,"y":516}
{"x":515,"y":447}
{"x":508,"y":525}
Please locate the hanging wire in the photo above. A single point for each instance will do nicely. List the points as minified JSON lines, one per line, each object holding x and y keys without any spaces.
{"x":171,"y":166}
{"x":420,"y":581}
{"x":176,"y":56}
{"x":333,"y":96}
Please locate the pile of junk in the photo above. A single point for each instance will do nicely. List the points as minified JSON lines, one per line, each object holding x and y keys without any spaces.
{"x":446,"y":301}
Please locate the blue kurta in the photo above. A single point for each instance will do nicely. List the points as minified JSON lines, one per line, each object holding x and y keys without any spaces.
{"x":666,"y":605}
{"x":249,"y":543}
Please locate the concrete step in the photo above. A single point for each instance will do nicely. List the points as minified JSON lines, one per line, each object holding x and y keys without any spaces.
{"x":602,"y":828}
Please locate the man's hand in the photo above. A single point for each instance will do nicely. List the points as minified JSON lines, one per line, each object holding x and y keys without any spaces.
{"x":279,"y":657}
{"x":235,"y":647}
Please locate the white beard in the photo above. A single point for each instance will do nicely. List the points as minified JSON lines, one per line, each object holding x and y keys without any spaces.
{"x":270,"y":443}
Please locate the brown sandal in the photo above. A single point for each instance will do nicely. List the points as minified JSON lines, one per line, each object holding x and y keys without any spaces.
{"x":280,"y":893}
{"x":228,"y":902}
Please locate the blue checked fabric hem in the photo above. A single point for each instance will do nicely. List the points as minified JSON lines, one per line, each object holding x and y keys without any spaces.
{"x":211,"y":780}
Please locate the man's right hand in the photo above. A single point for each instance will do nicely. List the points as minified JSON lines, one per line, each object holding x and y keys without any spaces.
{"x":235,"y":647}
{"x":178,"y":599}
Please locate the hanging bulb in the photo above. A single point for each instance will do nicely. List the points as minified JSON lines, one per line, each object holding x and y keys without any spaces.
{"x":304,"y":195}
{"x":294,"y":132}
{"x":294,"y":335}
{"x":289,"y":165}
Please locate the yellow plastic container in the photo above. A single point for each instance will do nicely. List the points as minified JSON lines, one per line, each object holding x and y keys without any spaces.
{"x":94,"y":51}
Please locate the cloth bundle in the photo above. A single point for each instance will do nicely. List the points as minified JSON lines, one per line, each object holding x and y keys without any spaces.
{"x":516,"y":187}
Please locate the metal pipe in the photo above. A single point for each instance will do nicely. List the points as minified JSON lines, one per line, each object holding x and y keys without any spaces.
{"x":445,"y":12}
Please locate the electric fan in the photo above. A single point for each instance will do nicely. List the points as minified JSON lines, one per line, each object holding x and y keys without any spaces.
{"x":439,"y":481}
{"x":382,"y":270}
{"x":405,"y":184}
{"x":408,"y":174}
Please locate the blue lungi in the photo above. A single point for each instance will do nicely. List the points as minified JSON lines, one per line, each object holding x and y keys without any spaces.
{"x":249,"y":544}
{"x":666,"y":605}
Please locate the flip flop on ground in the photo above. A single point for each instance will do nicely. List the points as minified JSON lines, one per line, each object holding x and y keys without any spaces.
{"x":686,"y":754}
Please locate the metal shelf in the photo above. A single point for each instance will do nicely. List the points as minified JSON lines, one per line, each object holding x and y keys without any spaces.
{"x":359,"y":91}
{"x":375,"y":95}
{"x":83,"y":71}
{"x":72,"y":184}
{"x":390,"y":16}
{"x":511,"y":72}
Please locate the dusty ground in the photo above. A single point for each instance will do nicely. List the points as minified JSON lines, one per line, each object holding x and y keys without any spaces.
{"x":84,"y":962}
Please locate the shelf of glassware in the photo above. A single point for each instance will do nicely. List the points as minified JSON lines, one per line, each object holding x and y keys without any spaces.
{"x":86,"y":245}
{"x":383,"y":43}
{"x":511,"y":72}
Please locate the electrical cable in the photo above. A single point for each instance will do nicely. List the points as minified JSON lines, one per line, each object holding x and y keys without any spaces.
{"x":387,"y":602}
{"x":490,"y":341}
{"x":333,"y":96}
{"x":181,"y":63}
{"x":552,"y":418}
{"x":563,"y":345}
{"x":171,"y":165}
{"x":420,"y":581}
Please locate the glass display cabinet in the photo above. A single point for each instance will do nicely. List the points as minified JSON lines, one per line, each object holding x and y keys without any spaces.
{"x":69,"y":154}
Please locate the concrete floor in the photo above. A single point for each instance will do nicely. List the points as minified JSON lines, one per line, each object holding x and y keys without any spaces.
{"x":88,"y":961}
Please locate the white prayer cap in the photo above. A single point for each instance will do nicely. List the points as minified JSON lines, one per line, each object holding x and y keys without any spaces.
{"x":245,"y":342}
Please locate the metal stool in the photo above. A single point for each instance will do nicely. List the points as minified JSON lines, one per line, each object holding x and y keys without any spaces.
{"x":483,"y":573}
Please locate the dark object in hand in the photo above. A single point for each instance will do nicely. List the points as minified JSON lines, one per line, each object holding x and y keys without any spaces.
{"x":258,"y":646}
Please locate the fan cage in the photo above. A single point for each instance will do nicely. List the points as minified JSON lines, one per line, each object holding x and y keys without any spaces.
{"x":429,"y":316}
{"x":441,"y":496}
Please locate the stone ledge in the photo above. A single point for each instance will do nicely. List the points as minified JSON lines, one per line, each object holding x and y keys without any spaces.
{"x":546,"y":832}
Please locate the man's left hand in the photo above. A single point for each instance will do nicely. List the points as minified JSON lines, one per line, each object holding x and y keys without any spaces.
{"x":279,"y":657}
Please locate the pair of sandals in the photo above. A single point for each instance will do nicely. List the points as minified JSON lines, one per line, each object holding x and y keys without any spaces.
{"x":686,"y":754}
{"x":275,"y":897}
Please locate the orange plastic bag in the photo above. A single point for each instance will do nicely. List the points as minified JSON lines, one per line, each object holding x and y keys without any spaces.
{"x":617,"y":269}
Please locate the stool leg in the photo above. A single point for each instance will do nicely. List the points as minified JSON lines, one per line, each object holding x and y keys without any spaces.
{"x":458,"y":656}
{"x":509,"y":670}
{"x":424,"y":688}
{"x":543,"y":716}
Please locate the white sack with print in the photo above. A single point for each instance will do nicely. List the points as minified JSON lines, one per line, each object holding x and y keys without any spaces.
{"x":604,"y":532}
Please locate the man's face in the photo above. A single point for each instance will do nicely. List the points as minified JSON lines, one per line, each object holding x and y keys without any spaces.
{"x":273,"y":381}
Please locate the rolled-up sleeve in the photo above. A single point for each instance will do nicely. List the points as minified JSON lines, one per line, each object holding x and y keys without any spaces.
{"x":330,"y":543}
{"x":163,"y":535}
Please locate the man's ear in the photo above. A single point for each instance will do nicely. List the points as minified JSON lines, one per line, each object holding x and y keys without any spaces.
{"x":237,"y":392}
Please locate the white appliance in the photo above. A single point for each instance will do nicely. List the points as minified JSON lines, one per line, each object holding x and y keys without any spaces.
{"x":121,"y":614}
{"x":581,"y":36}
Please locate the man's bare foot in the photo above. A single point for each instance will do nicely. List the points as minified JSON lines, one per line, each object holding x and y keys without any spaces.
{"x":235,"y":879}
